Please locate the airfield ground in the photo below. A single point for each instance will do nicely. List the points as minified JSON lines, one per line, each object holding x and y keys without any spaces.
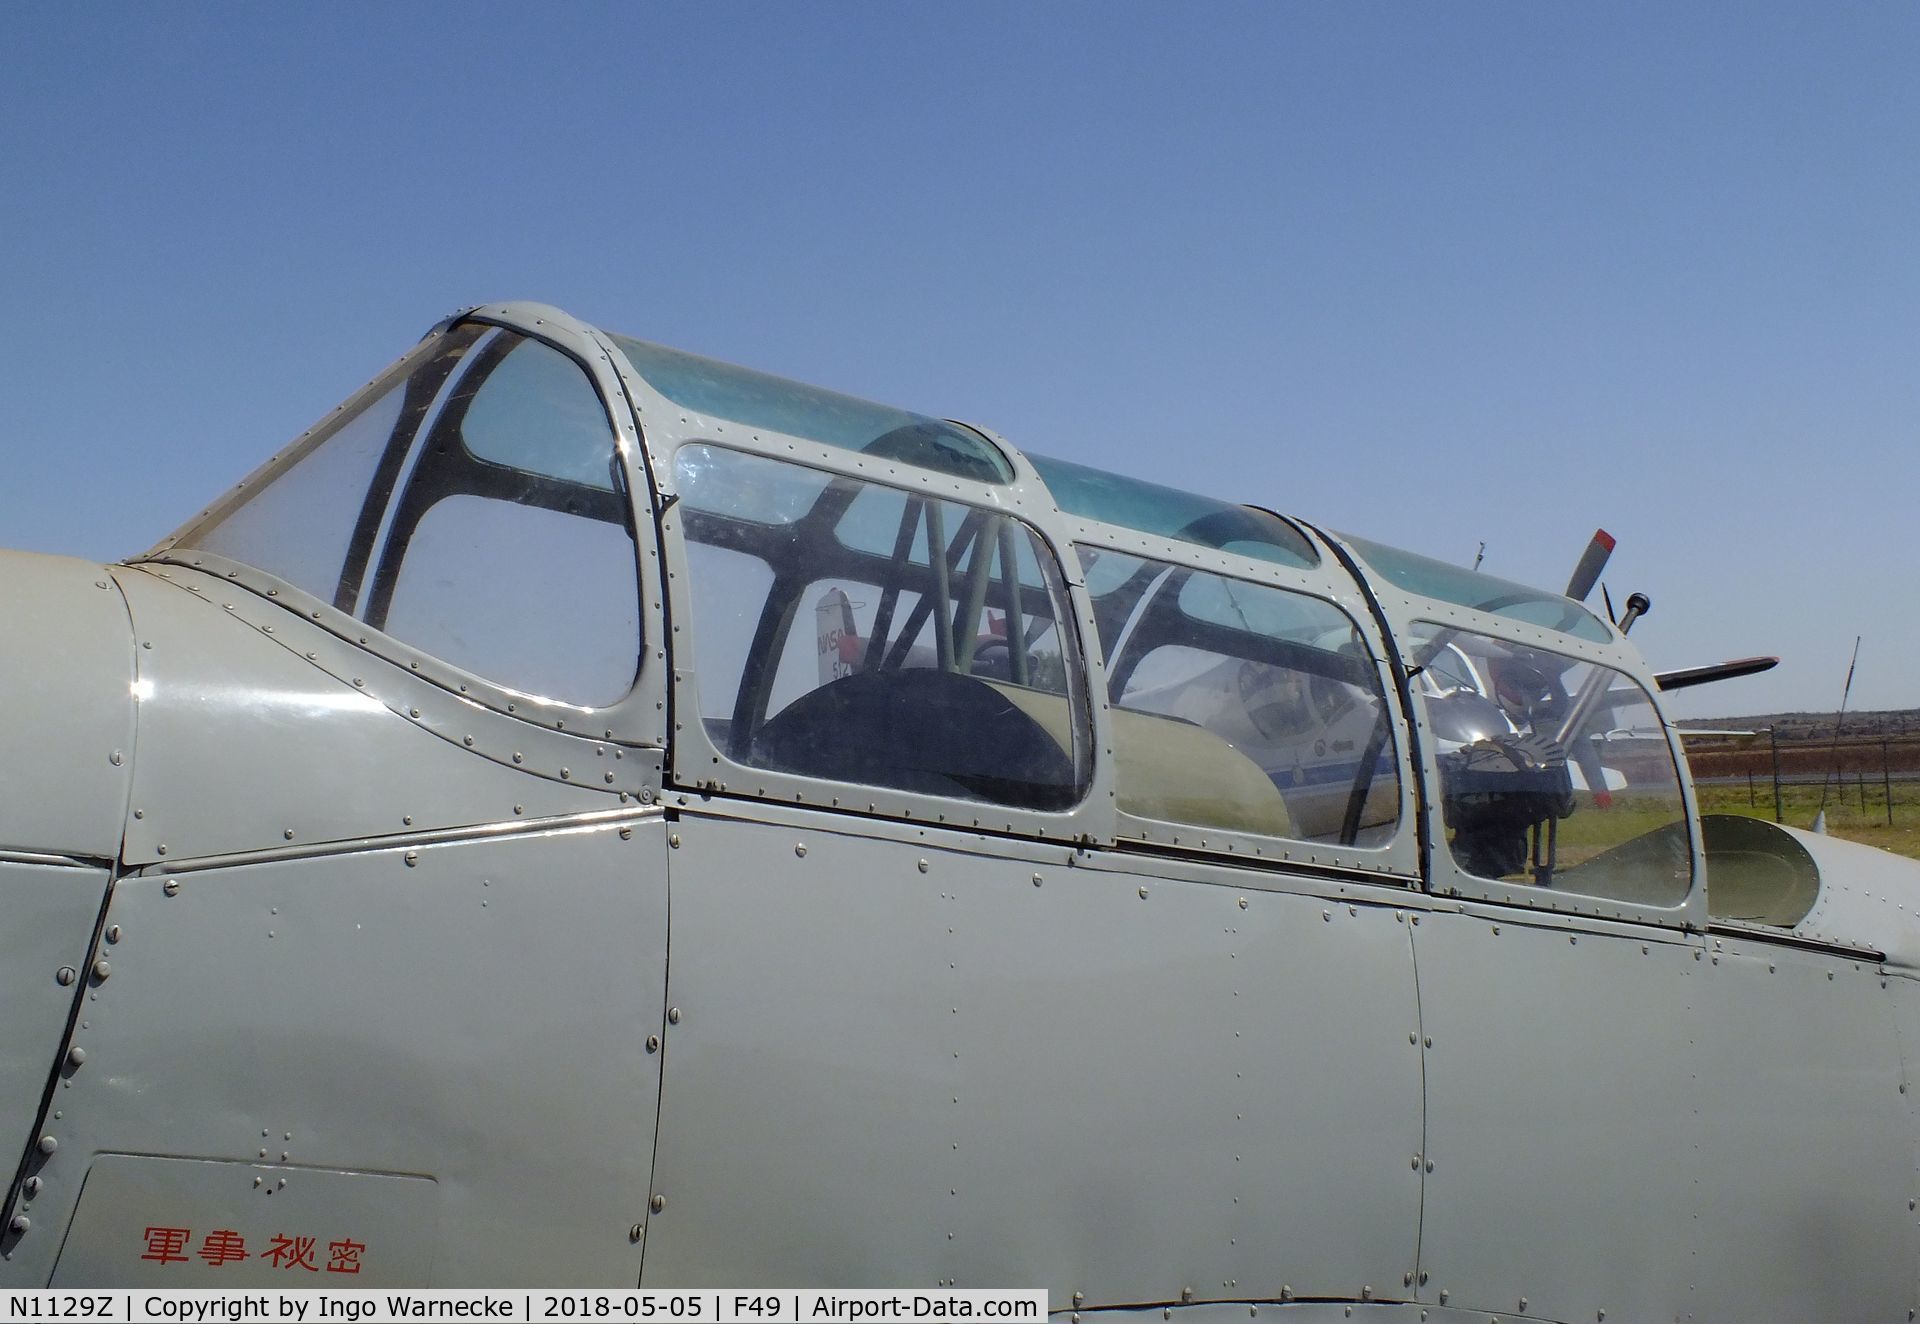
{"x":1857,"y":777}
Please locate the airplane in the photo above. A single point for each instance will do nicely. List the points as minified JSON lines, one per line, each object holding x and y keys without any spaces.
{"x":588,"y":814}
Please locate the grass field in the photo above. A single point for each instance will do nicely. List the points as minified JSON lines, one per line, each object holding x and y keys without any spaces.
{"x":1845,"y":817}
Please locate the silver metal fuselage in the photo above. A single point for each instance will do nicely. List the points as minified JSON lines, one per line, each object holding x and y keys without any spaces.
{"x":306,"y":934}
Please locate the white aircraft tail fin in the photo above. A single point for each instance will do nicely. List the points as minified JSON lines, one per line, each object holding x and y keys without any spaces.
{"x":838,"y":644}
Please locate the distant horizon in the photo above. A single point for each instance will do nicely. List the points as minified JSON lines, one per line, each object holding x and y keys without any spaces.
{"x":1809,"y":715}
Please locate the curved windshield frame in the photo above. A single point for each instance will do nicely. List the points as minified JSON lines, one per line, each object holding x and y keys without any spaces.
{"x":471,"y":504}
{"x":1554,"y":773}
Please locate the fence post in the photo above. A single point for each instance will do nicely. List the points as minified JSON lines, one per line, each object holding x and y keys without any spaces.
{"x":1886,"y":778}
{"x":1773,"y":744}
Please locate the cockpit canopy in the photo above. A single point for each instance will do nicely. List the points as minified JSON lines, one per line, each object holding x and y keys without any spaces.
{"x":850,"y":604}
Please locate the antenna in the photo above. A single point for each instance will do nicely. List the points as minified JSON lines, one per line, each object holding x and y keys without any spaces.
{"x":1839,"y":720}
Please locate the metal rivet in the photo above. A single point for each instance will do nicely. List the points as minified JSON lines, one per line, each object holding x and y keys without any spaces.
{"x":161,"y":849}
{"x":30,"y":1187}
{"x":626,"y":834}
{"x":673,"y":1015}
{"x":48,"y":1144}
{"x":20,"y":1223}
{"x":1423,"y":1278}
{"x":171,"y":887}
{"x":923,"y":866}
{"x":1428,"y":1041}
{"x":406,"y":820}
{"x":1243,"y":903}
{"x":113,"y":933}
{"x":77,"y":1055}
{"x":102,"y":968}
{"x":1523,"y":1304}
{"x":800,"y":848}
{"x":673,"y":840}
{"x":1036,"y":880}
{"x":65,"y":975}
{"x":468,"y":741}
{"x":635,"y":1232}
{"x":413,"y":858}
{"x":1443,"y":1296}
{"x":116,"y":758}
{"x":1429,"y":1165}
{"x":1143,"y":894}
{"x":609,"y":778}
{"x":653,"y":1043}
{"x":658,"y":1203}
{"x":288,"y":834}
{"x":566,"y":775}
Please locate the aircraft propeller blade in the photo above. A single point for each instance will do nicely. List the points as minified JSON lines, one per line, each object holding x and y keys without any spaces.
{"x":1740,"y":666}
{"x":1592,"y":562}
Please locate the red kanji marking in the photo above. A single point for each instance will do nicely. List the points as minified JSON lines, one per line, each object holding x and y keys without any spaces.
{"x":223,"y":1247}
{"x":166,"y":1244}
{"x":291,"y":1252}
{"x":344,"y":1256}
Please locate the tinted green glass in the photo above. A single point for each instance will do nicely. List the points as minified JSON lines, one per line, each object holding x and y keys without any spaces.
{"x":1130,"y":503}
{"x":1469,"y":588}
{"x":760,"y":400}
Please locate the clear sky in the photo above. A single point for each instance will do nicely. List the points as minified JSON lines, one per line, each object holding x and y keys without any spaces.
{"x":1433,"y":273}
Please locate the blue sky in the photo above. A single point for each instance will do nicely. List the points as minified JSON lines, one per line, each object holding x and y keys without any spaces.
{"x":1433,"y":273}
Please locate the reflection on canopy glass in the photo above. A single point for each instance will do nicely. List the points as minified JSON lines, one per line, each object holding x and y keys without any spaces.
{"x":1553,"y":772}
{"x":1241,"y":706}
{"x":859,"y":633}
